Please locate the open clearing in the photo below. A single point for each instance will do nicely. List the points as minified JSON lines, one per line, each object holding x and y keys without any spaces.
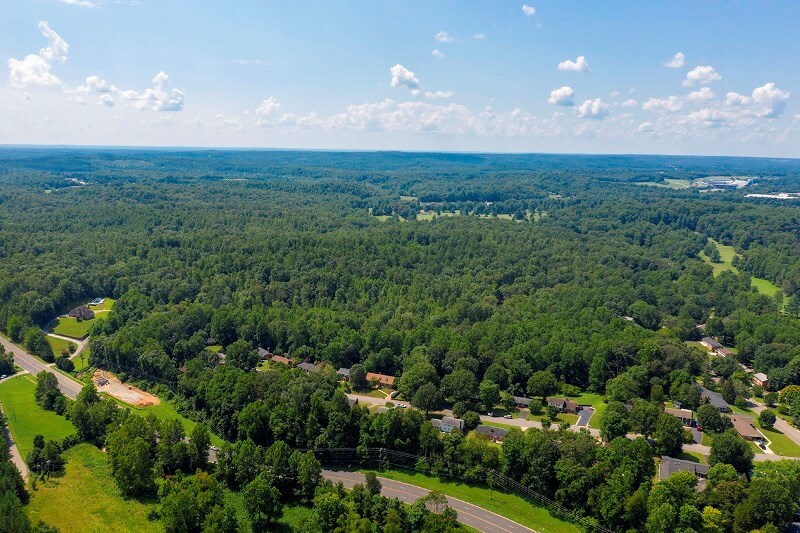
{"x":72,"y":327}
{"x":107,"y":305}
{"x":86,"y":498}
{"x":111,"y":385}
{"x":726,"y":254}
{"x":25,"y":418}
{"x":667,"y":183}
{"x":60,"y":345}
{"x":508,"y":505}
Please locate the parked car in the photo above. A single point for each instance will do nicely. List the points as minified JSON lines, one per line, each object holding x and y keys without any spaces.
{"x":490,"y":413}
{"x":401,"y":405}
{"x":508,"y":417}
{"x":215,"y":448}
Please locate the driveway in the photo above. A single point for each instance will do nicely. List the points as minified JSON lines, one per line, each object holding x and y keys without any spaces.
{"x":584,"y":415}
{"x":471,"y":515}
{"x":698,"y":435}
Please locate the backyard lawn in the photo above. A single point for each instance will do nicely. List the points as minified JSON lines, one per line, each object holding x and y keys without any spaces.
{"x":596,"y":401}
{"x":107,"y":305}
{"x":86,"y":498}
{"x":779,"y":442}
{"x":59,"y":345}
{"x":26,"y":418}
{"x":508,"y":505}
{"x":72,"y":327}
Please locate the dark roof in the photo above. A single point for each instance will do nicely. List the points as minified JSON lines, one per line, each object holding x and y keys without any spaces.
{"x":262,"y":352}
{"x":670,"y":465}
{"x":714,"y":398}
{"x":453,"y":422}
{"x":343,"y":371}
{"x":521,"y":400}
{"x":308,"y":367}
{"x":352,"y":401}
{"x":711,"y":342}
{"x":744,"y":426}
{"x":491,"y":431}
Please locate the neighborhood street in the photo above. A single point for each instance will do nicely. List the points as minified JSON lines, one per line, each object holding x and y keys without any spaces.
{"x":26,"y":361}
{"x":468,"y":514}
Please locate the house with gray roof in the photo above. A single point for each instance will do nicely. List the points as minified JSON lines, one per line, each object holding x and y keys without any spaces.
{"x":715,"y":399}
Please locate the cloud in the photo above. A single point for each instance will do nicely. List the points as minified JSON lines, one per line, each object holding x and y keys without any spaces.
{"x":701,"y":95}
{"x":243,"y":61}
{"x":630,"y":102}
{"x":579,"y":65}
{"x":678,"y":61}
{"x":439,"y":94}
{"x":269,"y":107}
{"x":437,"y":53}
{"x":479,"y":36}
{"x":157,"y":98}
{"x":701,"y":75}
{"x":97,"y":85}
{"x":80,"y":3}
{"x":733,"y":99}
{"x":35,"y":68}
{"x":528,"y":10}
{"x":646,"y":127}
{"x":668,"y":104}
{"x":595,"y":109}
{"x":401,"y":76}
{"x":562,"y":96}
{"x":444,"y":37}
{"x":770,"y":99}
{"x":106,"y":100}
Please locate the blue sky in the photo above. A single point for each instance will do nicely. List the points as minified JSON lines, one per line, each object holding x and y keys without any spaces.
{"x":550,"y":76}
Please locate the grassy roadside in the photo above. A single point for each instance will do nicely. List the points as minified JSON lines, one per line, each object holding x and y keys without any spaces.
{"x":507,"y":505}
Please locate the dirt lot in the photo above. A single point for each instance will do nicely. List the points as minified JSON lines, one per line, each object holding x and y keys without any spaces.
{"x":111,"y":385}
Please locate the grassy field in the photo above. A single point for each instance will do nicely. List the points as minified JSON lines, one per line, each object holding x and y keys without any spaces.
{"x":58,"y":345}
{"x":86,"y":498}
{"x":107,"y":305}
{"x":71,"y":327}
{"x":778,"y":442}
{"x":374,"y":393}
{"x":81,"y":362}
{"x":26,"y":418}
{"x":510,"y":506}
{"x":694,"y":457}
{"x":726,"y":254}
{"x":668,"y":183}
{"x":166,"y":411}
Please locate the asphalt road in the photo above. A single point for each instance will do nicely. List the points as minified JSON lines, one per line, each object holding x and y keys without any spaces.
{"x":468,"y":514}
{"x":26,"y":361}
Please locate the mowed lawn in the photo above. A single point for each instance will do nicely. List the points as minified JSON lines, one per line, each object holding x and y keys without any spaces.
{"x":596,"y":401}
{"x":165,"y":411}
{"x":59,"y":345}
{"x":779,"y":442}
{"x":86,"y":498}
{"x":72,"y":327}
{"x":107,"y":305}
{"x":508,"y":505}
{"x":726,"y":254}
{"x":26,"y":418}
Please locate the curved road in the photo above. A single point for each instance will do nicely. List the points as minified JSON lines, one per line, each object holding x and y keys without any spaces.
{"x":26,"y":361}
{"x":468,"y":514}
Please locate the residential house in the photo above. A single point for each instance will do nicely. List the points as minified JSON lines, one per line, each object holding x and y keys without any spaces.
{"x":760,"y":379}
{"x":447,"y":424}
{"x":308,"y":367}
{"x":724,"y":352}
{"x":564,"y":405}
{"x":715,"y":399}
{"x":352,"y":401}
{"x":521,"y":401}
{"x":344,"y":374}
{"x":380,"y":380}
{"x":684,"y":415}
{"x":281,"y":359}
{"x":670,"y":465}
{"x":745,"y":428}
{"x":263,"y":354}
{"x":491,"y":432}
{"x":82,"y":312}
{"x":710,"y":343}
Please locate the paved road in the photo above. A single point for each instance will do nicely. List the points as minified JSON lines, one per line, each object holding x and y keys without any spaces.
{"x":16,"y":457}
{"x":468,"y":514}
{"x":27,"y":362}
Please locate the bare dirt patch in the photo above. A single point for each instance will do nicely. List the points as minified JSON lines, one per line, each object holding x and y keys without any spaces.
{"x":110,"y":384}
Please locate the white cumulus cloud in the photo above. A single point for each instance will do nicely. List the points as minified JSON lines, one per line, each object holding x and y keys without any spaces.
{"x":701,"y":75}
{"x":630,"y":102}
{"x":528,"y":10}
{"x":401,"y":76}
{"x":444,"y":37}
{"x":106,"y":100}
{"x":646,"y":127}
{"x":35,"y":68}
{"x":593,"y":109}
{"x":668,"y":104}
{"x":734,"y":99}
{"x":678,"y":61}
{"x":437,"y":53}
{"x":439,"y":94}
{"x":579,"y":65}
{"x":770,"y":99}
{"x":562,"y":96}
{"x":157,"y":98}
{"x":701,"y":95}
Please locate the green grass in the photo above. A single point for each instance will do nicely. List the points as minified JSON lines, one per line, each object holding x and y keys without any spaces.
{"x":508,"y":505}
{"x":500,"y":425}
{"x":86,"y":498}
{"x":107,"y":305}
{"x":764,"y":286}
{"x":739,"y":411}
{"x":26,"y":418}
{"x":596,"y":401}
{"x":214,"y":348}
{"x":694,"y":457}
{"x":81,"y":362}
{"x":726,"y":254}
{"x":58,"y":345}
{"x":408,"y":198}
{"x":71,"y":327}
{"x":374,"y":393}
{"x":667,"y":183}
{"x":706,"y":439}
{"x":165,"y":411}
{"x":779,"y":442}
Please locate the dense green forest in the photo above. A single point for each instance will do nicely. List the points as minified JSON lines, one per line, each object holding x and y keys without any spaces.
{"x":282,"y":250}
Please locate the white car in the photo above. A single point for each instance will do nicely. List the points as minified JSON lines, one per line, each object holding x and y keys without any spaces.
{"x":490,"y":413}
{"x":215,"y":448}
{"x":401,"y":405}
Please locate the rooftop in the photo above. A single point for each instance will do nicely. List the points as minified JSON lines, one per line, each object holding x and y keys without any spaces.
{"x":670,"y":465}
